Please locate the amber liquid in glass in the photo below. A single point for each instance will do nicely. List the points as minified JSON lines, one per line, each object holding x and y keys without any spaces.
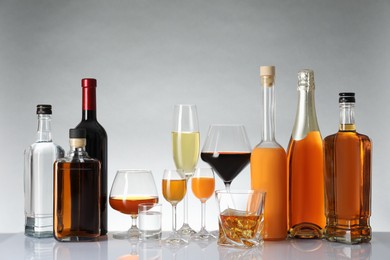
{"x":203,"y":187}
{"x":129,"y":205}
{"x":348,"y":186}
{"x":306,"y":186}
{"x":239,"y":228}
{"x":77,"y":200}
{"x":174,"y":190}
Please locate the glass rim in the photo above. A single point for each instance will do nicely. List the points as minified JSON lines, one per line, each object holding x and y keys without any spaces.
{"x":134,"y":170}
{"x":237,"y":125}
{"x":185,"y":105}
{"x":149,"y":205}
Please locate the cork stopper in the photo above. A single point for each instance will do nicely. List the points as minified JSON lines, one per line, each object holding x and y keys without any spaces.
{"x":267,"y":75}
{"x":267,"y":71}
{"x":306,"y":78}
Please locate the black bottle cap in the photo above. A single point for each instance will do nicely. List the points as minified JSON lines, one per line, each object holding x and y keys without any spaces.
{"x":43,"y":109}
{"x":347,"y":97}
{"x":77,"y":133}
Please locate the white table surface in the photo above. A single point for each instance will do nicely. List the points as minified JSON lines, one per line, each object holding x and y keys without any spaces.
{"x":17,"y":246}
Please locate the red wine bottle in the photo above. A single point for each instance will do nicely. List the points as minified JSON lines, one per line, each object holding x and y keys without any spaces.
{"x":96,"y":142}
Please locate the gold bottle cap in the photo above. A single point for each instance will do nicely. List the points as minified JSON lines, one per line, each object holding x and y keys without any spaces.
{"x":267,"y":71}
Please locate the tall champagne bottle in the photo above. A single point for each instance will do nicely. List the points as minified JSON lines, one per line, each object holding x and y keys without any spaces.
{"x":269,"y":164}
{"x":305,"y":161}
{"x":96,"y":142}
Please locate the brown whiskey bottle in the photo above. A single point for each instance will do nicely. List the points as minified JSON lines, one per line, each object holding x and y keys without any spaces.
{"x":347,"y":179}
{"x":77,"y":193}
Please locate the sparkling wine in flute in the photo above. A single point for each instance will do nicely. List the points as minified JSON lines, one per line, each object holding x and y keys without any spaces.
{"x":185,"y":151}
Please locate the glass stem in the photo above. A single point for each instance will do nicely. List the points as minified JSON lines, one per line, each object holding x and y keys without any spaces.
{"x":133,"y":221}
{"x":185,"y":220}
{"x":227,"y":186}
{"x":203,"y":209}
{"x":174,"y":218}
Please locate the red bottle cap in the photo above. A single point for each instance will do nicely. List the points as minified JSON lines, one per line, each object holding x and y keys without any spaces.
{"x":88,"y":83}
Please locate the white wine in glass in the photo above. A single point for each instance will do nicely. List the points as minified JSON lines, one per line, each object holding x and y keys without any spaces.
{"x":186,"y":151}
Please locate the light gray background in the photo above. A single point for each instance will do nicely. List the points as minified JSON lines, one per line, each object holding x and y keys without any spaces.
{"x":148,"y":55}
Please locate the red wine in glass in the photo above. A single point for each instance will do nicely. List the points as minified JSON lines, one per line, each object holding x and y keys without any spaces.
{"x":227,"y":164}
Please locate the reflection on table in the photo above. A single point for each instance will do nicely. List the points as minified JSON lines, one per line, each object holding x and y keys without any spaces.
{"x":17,"y":246}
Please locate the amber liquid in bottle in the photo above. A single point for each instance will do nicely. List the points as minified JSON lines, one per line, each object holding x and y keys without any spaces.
{"x":347,"y":179}
{"x":269,"y":166}
{"x":306,"y":217}
{"x":77,"y":196}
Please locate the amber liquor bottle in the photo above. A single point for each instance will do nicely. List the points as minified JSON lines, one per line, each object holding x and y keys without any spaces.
{"x":305,"y":162}
{"x":96,"y":142}
{"x":77,"y":193}
{"x":347,"y":179}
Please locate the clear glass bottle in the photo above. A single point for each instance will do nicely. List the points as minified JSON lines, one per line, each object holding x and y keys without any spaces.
{"x":269,"y":164}
{"x":96,"y":142}
{"x":77,"y":193}
{"x":347,"y":179}
{"x":305,"y":162}
{"x":38,"y":177}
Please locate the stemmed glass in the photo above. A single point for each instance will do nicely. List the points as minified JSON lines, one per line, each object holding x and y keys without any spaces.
{"x":129,"y":189}
{"x":203,"y":185}
{"x":174,"y":188}
{"x":227,"y":150}
{"x":185,"y":144}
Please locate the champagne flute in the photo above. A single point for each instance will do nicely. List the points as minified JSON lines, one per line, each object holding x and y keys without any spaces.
{"x":185,"y":144}
{"x":129,"y":189}
{"x":203,"y":185}
{"x":174,"y":188}
{"x":227,"y":151}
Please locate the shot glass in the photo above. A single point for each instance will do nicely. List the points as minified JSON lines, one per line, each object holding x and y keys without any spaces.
{"x":149,"y":215}
{"x":241,"y":218}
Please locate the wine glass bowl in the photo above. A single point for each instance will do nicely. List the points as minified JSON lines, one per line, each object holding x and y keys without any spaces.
{"x":227,"y":151}
{"x":129,"y":189}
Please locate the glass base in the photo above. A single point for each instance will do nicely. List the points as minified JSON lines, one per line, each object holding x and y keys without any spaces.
{"x":306,"y":230}
{"x":132,"y":233}
{"x":39,"y":227}
{"x":174,"y":239}
{"x":186,"y":230}
{"x":350,"y":235}
{"x":203,"y":234}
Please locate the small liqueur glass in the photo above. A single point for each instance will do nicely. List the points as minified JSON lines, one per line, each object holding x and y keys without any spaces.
{"x":174,"y":188}
{"x":203,"y":185}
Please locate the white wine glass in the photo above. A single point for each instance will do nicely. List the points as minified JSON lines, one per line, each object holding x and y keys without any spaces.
{"x":129,"y":189}
{"x":174,"y":188}
{"x":185,"y":146}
